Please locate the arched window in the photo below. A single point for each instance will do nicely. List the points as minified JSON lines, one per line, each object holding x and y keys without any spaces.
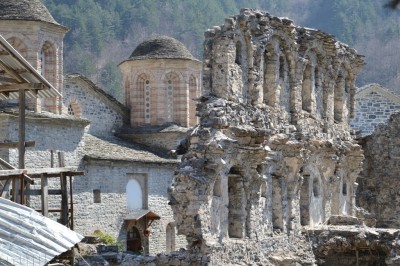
{"x":270,"y":76}
{"x":19,"y":45}
{"x":306,"y":93}
{"x":140,"y":101}
{"x":174,"y":102}
{"x":238,"y":56}
{"x":134,"y":195}
{"x":48,"y":62}
{"x":170,"y":238}
{"x":339,"y":98}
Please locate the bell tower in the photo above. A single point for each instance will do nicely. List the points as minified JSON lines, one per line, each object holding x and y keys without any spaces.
{"x":31,"y":29}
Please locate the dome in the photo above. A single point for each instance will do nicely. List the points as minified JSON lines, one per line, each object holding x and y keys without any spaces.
{"x":161,"y":47}
{"x":31,"y":10}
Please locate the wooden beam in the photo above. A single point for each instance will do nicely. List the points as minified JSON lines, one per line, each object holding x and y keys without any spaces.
{"x":34,"y":172}
{"x":6,"y":188}
{"x":11,"y":72}
{"x":10,"y":145}
{"x":4,"y":53}
{"x":21,"y":86}
{"x":38,"y":192}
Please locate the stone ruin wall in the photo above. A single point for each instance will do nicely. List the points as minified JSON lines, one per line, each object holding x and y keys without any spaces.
{"x":379,"y":182}
{"x":273,"y":151}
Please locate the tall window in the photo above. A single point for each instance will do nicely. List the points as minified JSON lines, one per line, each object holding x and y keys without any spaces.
{"x":134,"y":195}
{"x":175,"y":103}
{"x":192,"y":103}
{"x":140,"y":101}
{"x":170,"y":238}
{"x":270,"y":78}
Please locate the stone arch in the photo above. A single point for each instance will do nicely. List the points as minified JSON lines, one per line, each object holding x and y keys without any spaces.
{"x":134,"y":195}
{"x":174,"y":100}
{"x":193,"y":94}
{"x":242,"y":58}
{"x":270,"y":76}
{"x":74,"y":108}
{"x":19,"y":45}
{"x":339,"y":97}
{"x":47,"y":67}
{"x":307,"y":92}
{"x":170,"y":237}
{"x":237,"y":215}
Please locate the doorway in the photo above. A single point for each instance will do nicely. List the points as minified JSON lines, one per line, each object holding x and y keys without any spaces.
{"x":134,"y":242}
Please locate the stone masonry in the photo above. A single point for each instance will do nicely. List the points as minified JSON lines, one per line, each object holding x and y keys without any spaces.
{"x":379,"y":181}
{"x":273,"y":153}
{"x":374,"y":105}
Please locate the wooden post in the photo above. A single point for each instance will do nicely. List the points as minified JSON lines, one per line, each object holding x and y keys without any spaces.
{"x":72,"y":203}
{"x":17,"y":184}
{"x":21,"y":148}
{"x":64,"y":199}
{"x":44,"y":195}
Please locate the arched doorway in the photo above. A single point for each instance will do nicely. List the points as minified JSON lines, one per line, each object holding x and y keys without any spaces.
{"x":134,"y":242}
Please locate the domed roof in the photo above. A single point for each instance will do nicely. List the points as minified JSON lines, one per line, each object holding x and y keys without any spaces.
{"x":161,"y":47}
{"x":25,"y":10}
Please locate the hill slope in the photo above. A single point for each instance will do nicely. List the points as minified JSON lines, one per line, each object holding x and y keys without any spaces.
{"x":105,"y":32}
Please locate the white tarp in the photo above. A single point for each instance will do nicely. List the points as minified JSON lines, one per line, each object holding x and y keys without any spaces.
{"x":29,"y":238}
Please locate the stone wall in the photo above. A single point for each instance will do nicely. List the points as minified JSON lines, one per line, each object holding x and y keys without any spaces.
{"x":50,"y":132}
{"x":374,"y":105}
{"x":273,"y":152}
{"x":378,"y":191}
{"x":82,"y":100}
{"x":111,"y":178}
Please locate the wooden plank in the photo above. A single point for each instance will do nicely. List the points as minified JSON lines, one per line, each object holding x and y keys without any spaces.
{"x":20,"y":86}
{"x":38,"y":192}
{"x":9,"y":166}
{"x":10,"y":145}
{"x":52,"y":210}
{"x":6,"y":188}
{"x":44,"y":195}
{"x":11,"y":72}
{"x":4,"y":53}
{"x":38,"y":171}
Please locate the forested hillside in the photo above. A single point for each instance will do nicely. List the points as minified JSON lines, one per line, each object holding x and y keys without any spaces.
{"x":105,"y":32}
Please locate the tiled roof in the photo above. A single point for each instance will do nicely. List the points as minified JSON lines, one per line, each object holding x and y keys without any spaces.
{"x":115,"y":149}
{"x":161,"y":47}
{"x":33,"y":10}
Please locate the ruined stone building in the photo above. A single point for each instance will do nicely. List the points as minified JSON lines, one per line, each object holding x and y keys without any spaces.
{"x":273,"y":155}
{"x":378,"y":191}
{"x":124,"y":189}
{"x":374,"y":105}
